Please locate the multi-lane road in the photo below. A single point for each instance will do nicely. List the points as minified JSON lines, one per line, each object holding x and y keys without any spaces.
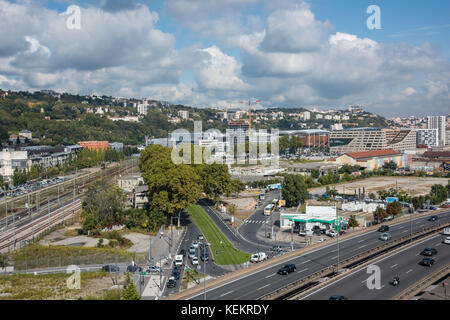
{"x":404,"y":264}
{"x":259,"y":283}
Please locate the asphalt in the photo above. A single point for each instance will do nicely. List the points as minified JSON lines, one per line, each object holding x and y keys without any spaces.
{"x":261,"y":282}
{"x":404,"y":264}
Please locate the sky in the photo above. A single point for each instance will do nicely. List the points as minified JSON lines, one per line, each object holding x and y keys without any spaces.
{"x":207,"y":53}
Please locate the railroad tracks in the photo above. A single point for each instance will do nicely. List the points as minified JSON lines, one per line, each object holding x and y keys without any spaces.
{"x":299,"y":288}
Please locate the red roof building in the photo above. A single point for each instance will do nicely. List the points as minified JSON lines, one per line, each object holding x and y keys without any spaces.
{"x":94,"y":145}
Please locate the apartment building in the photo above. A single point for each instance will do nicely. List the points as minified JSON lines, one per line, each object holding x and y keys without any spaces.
{"x":438,"y":122}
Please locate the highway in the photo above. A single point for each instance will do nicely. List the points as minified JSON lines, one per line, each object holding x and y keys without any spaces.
{"x":266,"y":280}
{"x":404,"y":264}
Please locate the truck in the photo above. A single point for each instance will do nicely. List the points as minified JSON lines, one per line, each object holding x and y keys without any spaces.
{"x":257,"y":257}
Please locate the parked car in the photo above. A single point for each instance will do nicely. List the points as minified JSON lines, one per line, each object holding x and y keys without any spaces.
{"x":337,"y":297}
{"x":110,"y":268}
{"x":277,"y":249}
{"x":429,"y":252}
{"x":383,"y":228}
{"x":433,"y":218}
{"x":152,"y":269}
{"x":194,"y":260}
{"x":134,"y":268}
{"x":428,"y":262}
{"x":286,"y":269}
{"x":332,"y":233}
{"x":446,"y":240}
{"x":172,"y":283}
{"x":385,"y":236}
{"x":182,"y":252}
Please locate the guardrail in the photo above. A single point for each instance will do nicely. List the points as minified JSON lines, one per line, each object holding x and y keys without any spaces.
{"x":307,"y":282}
{"x":411,"y":291}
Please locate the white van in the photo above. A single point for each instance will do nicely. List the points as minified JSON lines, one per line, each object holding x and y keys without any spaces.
{"x":179,"y":260}
{"x":257,"y":257}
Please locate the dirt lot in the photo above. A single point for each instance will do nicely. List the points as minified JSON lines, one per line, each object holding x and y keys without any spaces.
{"x":245,"y":205}
{"x":413,"y":185}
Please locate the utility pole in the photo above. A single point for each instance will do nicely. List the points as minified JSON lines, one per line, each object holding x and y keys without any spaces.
{"x":116,"y":264}
{"x":48,"y":212}
{"x":6,"y":203}
{"x":337,"y":239}
{"x":204,"y":272}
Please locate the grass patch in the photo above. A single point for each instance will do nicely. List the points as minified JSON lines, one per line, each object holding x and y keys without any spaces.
{"x":52,"y":286}
{"x":37,"y":256}
{"x":226,"y":253}
{"x":189,"y":277}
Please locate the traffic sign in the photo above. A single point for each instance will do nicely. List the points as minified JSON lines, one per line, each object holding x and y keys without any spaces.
{"x":143,"y":273}
{"x":188,"y":269}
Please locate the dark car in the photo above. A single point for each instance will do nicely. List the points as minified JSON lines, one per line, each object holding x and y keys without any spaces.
{"x":432,"y":218}
{"x":176,"y":274}
{"x":337,"y":297}
{"x":429,"y":252}
{"x":177,"y":268}
{"x":205,"y":257}
{"x":110,"y":268}
{"x":276,"y":249}
{"x":133,"y":269}
{"x":172,"y":283}
{"x":183,"y":252}
{"x":383,"y":229}
{"x":287,"y":269}
{"x":428,"y":262}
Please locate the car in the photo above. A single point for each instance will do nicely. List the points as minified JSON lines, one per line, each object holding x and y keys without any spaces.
{"x":176,"y":274}
{"x":191,"y":253}
{"x":204,"y":257}
{"x":337,"y":297}
{"x":286,"y":269}
{"x":178,"y":260}
{"x":134,"y":268}
{"x":277,"y":249}
{"x":200,"y":237}
{"x":385,"y":236}
{"x":446,"y":232}
{"x":429,"y":252}
{"x":383,"y":228}
{"x":152,"y":269}
{"x":428,"y":262}
{"x":446,"y":240}
{"x":433,"y":218}
{"x":332,"y":233}
{"x":110,"y":268}
{"x":172,"y":283}
{"x":432,"y":208}
{"x":182,"y":252}
{"x":194,"y":260}
{"x":257,"y":257}
{"x":195,"y":244}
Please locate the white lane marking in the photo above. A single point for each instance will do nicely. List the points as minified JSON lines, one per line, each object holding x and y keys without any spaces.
{"x":404,"y":231}
{"x":394,"y":265}
{"x":265,"y":286}
{"x":305,"y":261}
{"x":226,"y":293}
{"x":334,"y":258}
{"x":362,"y":246}
{"x":361,"y":240}
{"x":438,"y":244}
{"x":270,"y":276}
{"x":333,"y":250}
{"x":302,"y":270}
{"x":417,"y":254}
{"x":409,"y":270}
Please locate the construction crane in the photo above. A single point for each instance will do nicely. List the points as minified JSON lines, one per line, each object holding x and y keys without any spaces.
{"x":250,"y":114}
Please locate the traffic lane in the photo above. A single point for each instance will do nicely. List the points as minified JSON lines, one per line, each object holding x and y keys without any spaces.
{"x":404,"y":264}
{"x":315,"y":260}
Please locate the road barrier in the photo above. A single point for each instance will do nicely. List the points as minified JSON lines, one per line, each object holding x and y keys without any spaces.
{"x":419,"y":286}
{"x":301,"y":287}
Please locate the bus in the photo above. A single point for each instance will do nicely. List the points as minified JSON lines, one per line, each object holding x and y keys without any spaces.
{"x":268,"y":209}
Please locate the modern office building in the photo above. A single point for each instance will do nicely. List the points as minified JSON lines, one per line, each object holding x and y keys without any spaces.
{"x":428,"y":137}
{"x":438,"y":122}
{"x":364,"y":139}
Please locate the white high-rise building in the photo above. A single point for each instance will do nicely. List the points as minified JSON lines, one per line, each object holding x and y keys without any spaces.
{"x":428,"y":137}
{"x":438,"y":122}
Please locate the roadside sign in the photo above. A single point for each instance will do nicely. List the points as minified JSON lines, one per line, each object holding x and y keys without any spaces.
{"x":188,"y":269}
{"x":199,"y":268}
{"x":143,"y":273}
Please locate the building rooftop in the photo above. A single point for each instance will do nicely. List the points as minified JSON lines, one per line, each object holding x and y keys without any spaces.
{"x":372,"y":153}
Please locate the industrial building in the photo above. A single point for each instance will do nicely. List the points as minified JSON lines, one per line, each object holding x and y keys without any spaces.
{"x":94,"y":145}
{"x":374,"y":159}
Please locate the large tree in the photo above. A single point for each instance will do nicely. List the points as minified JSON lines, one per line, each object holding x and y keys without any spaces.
{"x":294,"y":189}
{"x":215,"y":180}
{"x":171,"y":187}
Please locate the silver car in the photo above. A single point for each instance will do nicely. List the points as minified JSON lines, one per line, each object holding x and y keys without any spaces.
{"x":385,"y":236}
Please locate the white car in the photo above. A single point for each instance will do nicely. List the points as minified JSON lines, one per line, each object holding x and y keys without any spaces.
{"x":446,"y":232}
{"x":385,"y":236}
{"x":446,"y":240}
{"x":195,"y":244}
{"x":194,"y":260}
{"x":179,"y":260}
